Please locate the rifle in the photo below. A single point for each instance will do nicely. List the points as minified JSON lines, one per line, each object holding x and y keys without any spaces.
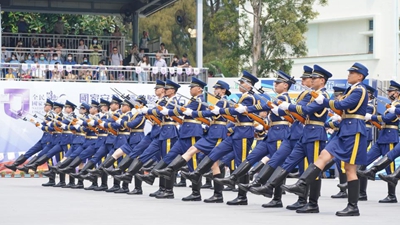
{"x":251,"y":115}
{"x":269,"y":103}
{"x":56,"y":121}
{"x":228,"y":117}
{"x":183,"y":109}
{"x":98,"y":120}
{"x":137,"y":106}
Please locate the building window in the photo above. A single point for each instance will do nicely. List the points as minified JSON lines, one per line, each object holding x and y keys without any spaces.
{"x":371,"y":24}
{"x":370,"y":44}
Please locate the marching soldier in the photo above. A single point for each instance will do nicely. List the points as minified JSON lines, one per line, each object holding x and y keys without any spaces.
{"x":387,"y":139}
{"x":350,"y":143}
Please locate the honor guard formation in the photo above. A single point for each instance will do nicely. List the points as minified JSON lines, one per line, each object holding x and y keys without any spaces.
{"x":200,"y":139}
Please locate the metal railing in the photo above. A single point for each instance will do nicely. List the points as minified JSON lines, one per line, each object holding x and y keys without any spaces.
{"x":94,"y":73}
{"x":70,"y":41}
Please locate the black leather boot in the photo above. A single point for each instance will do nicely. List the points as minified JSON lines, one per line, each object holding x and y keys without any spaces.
{"x":138,"y":187}
{"x":171,"y":169}
{"x":122,"y":166}
{"x":115,"y":187}
{"x":276,"y":201}
{"x":132,"y":170}
{"x":182,"y":182}
{"x":203,"y":167}
{"x":71,"y":183}
{"x":62,"y":181}
{"x":210,"y":175}
{"x":363,"y":186}
{"x":257,"y":168}
{"x":104,"y":181}
{"x":300,"y":203}
{"x":24,"y":168}
{"x":300,"y":187}
{"x":380,"y":165}
{"x":391,"y":178}
{"x":149,"y":165}
{"x":124,"y":188}
{"x":62,"y":165}
{"x":109,"y":161}
{"x":91,"y":187}
{"x":50,"y":183}
{"x":276,"y":179}
{"x":329,"y":165}
{"x":262,"y":177}
{"x":230,"y":181}
{"x":78,"y":185}
{"x":33,"y":165}
{"x":342,"y":193}
{"x":207,"y":185}
{"x":21,"y":159}
{"x":391,"y":197}
{"x":312,"y":205}
{"x":83,"y":171}
{"x":160,"y":189}
{"x":195,"y":195}
{"x":169,"y":190}
{"x":149,"y":179}
{"x":70,"y":168}
{"x":217,"y":196}
{"x":241,"y":199}
{"x":352,"y":208}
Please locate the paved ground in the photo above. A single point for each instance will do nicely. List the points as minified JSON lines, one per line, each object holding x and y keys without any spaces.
{"x":24,"y":201}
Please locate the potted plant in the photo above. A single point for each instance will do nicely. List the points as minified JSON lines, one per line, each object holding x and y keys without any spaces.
{"x":22,"y":174}
{"x":32,"y":174}
{"x":3,"y":174}
{"x":12,"y":174}
{"x":40,"y":173}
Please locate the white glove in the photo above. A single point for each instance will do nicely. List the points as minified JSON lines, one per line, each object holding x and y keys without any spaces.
{"x":77,"y":126}
{"x":33,"y":121}
{"x":188,"y":112}
{"x":241,"y":108}
{"x":392,"y":109}
{"x":91,"y":123}
{"x":204,"y":126}
{"x":102,"y":124}
{"x":259,"y":127}
{"x":215,"y":111}
{"x":144,"y":110}
{"x":336,"y":117}
{"x":48,"y":123}
{"x":164,"y":111}
{"x":284,"y":105}
{"x":118,"y":121}
{"x":80,"y":122}
{"x":320,"y":99}
{"x":40,"y":126}
{"x":63,"y":126}
{"x":368,"y":117}
{"x":134,"y":111}
{"x":275,"y":110}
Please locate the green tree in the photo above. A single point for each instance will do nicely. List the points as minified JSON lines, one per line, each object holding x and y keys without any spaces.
{"x":276,"y":32}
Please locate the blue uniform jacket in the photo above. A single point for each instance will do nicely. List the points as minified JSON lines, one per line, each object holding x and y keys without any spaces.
{"x":156,"y":129}
{"x":46,"y":137}
{"x":111,"y":139}
{"x":315,"y":114}
{"x":241,"y":130}
{"x":136,"y":123}
{"x":215,"y":131}
{"x":67,"y":135}
{"x":354,"y":103}
{"x":389,"y":134}
{"x":190,"y":127}
{"x":371,"y":110}
{"x":168,"y":131}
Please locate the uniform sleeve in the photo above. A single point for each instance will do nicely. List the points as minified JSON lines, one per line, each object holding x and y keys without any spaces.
{"x":134,"y":123}
{"x":231,"y":110}
{"x":388,"y":117}
{"x":348,"y":103}
{"x":307,"y":109}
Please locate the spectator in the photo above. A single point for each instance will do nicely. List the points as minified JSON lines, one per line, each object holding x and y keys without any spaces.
{"x":96,"y":48}
{"x":141,"y":53}
{"x":59,"y":26}
{"x":14,"y":58}
{"x":144,"y":41}
{"x":22,"y":25}
{"x":145,"y":65}
{"x":70,"y":77}
{"x":102,"y":74}
{"x":70,"y":60}
{"x":116,"y":37}
{"x":56,"y":75}
{"x":87,"y":76}
{"x":116,"y":60}
{"x":159,"y":62}
{"x":29,"y":59}
{"x":184,"y":62}
{"x":162,"y":49}
{"x":60,"y":52}
{"x":174,"y":63}
{"x":55,"y":59}
{"x":210,"y":73}
{"x":19,"y":51}
{"x":86,"y":61}
{"x":10,"y":75}
{"x":82,"y":49}
{"x":134,"y":56}
{"x":42,"y":59}
{"x":6,"y":53}
{"x":37,"y":73}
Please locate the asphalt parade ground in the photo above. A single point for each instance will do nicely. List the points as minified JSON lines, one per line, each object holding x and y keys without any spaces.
{"x":25,"y":201}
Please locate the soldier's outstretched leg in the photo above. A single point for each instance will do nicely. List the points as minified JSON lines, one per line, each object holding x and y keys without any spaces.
{"x":260,"y":179}
{"x":21,"y":159}
{"x":391,"y":178}
{"x":230,"y":181}
{"x":276,"y":179}
{"x":380,"y":165}
{"x":149,"y":179}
